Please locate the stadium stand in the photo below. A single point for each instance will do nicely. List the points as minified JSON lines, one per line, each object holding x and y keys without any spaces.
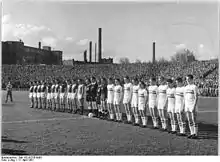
{"x":205,"y":72}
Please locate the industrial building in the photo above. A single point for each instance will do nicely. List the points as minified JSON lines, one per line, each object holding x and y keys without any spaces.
{"x":15,"y":52}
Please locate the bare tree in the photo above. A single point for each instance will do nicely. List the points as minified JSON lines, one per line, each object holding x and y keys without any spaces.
{"x":184,"y":56}
{"x":124,"y":60}
{"x":162,"y":60}
{"x":137,"y":61}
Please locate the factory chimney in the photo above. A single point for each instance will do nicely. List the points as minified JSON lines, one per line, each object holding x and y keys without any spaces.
{"x":90,"y":51}
{"x":153,"y":59}
{"x":100,"y":45}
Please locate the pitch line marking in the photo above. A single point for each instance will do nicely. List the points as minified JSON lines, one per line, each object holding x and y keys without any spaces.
{"x":40,"y":120}
{"x":208,"y":111}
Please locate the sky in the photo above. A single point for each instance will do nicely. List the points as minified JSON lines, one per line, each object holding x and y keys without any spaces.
{"x":128,"y":28}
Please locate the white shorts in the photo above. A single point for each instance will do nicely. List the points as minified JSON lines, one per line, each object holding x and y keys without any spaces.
{"x":190,"y":108}
{"x":38,"y":95}
{"x":116,"y":101}
{"x":34,"y":95}
{"x":56,"y":95}
{"x":178,"y":108}
{"x":79,"y":97}
{"x":30,"y":95}
{"x":152,"y":104}
{"x":110,"y":101}
{"x":171,"y":108}
{"x":69,"y":95}
{"x":49,"y":96}
{"x":141,"y":106}
{"x":134,"y":102}
{"x":73,"y":95}
{"x":61,"y":95}
{"x":42,"y":95}
{"x":126,"y":100}
{"x":160,"y":106}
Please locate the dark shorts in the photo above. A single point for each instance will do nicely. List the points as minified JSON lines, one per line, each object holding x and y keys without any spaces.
{"x":88,"y":99}
{"x":98,"y":100}
{"x":93,"y":98}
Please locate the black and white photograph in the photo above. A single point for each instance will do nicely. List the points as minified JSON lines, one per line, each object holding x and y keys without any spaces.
{"x":92,"y":78}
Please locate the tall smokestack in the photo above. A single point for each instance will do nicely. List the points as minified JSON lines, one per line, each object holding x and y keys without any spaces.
{"x":95,"y":52}
{"x":85,"y":56}
{"x":153,"y":59}
{"x":90,"y":51}
{"x":39,"y":45}
{"x":100,"y":45}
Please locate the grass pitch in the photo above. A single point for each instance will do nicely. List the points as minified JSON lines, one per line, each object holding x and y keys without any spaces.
{"x":27,"y":131}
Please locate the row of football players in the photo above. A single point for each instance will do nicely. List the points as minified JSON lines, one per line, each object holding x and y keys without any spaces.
{"x":166,"y":99}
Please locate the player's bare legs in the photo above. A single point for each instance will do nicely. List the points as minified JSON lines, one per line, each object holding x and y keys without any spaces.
{"x":111,"y":111}
{"x":143,"y":117}
{"x":181,"y":122}
{"x":153,"y":112}
{"x":136,"y":115}
{"x":172,"y":122}
{"x":163,"y":118}
{"x":128,"y":111}
{"x":191,"y":117}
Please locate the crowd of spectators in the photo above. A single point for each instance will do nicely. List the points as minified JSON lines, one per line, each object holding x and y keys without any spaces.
{"x":205,"y":72}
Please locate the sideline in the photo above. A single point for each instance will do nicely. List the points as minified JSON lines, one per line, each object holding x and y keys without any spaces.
{"x":41,"y":120}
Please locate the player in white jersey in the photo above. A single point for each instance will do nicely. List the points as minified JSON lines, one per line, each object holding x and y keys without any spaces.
{"x":179,"y":106}
{"x":142,"y":101}
{"x":53,"y":95}
{"x":191,"y":99}
{"x":49,"y":95}
{"x":56,"y":96}
{"x":161,"y":98}
{"x":110,"y":98}
{"x":62,"y":91}
{"x":35,"y":94}
{"x":127,"y":98}
{"x":43,"y":94}
{"x":152,"y":101}
{"x":170,"y":101}
{"x":69,"y":93}
{"x":38,"y":95}
{"x":118,"y":95}
{"x":31,"y":92}
{"x":74,"y":95}
{"x":134,"y":101}
{"x":80,"y":95}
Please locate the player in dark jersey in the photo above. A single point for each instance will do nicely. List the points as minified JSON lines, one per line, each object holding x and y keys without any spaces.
{"x":88,"y":94}
{"x":31,"y":92}
{"x":94,"y":87}
{"x":103,"y":98}
{"x":98,"y":99}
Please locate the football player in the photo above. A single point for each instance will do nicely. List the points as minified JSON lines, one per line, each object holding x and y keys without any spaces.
{"x":191,"y":99}
{"x":127,"y":98}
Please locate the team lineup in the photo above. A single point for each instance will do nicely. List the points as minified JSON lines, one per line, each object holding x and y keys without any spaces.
{"x":164,"y":98}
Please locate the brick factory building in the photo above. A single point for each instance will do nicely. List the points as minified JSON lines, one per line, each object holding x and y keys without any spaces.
{"x":15,"y":52}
